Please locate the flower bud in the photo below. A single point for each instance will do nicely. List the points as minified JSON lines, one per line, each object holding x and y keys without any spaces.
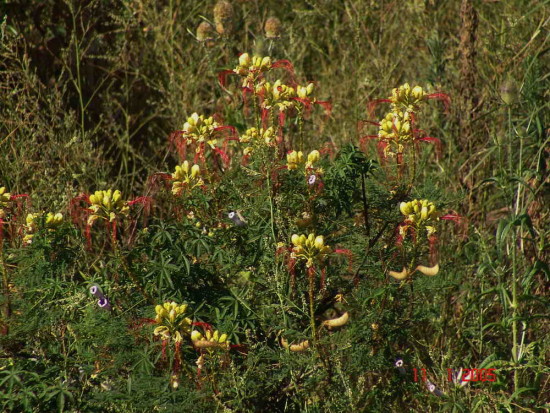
{"x":295,"y":239}
{"x":319,"y":242}
{"x":244,"y":60}
{"x":195,"y":335}
{"x":266,"y":63}
{"x":418,"y":93}
{"x":313,"y":156}
{"x":195,"y":170}
{"x":424,"y":213}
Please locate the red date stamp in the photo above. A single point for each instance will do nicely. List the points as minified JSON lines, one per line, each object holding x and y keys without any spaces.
{"x":463,"y":375}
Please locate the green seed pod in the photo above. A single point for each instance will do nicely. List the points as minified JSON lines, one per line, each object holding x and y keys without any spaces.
{"x":205,"y":32}
{"x":509,"y":91}
{"x":273,"y":28}
{"x":223,"y":17}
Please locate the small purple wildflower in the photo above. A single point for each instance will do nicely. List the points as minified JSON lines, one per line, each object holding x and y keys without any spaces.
{"x":311,"y":180}
{"x":432,"y":388}
{"x":95,"y":290}
{"x":104,"y":303}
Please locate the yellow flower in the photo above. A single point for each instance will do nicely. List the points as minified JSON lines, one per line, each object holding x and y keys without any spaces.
{"x":209,"y":339}
{"x":420,"y":213}
{"x":406,"y":97}
{"x":293,"y":159}
{"x":313,"y":157}
{"x":107,"y":205}
{"x":310,"y":248}
{"x":172,"y":321}
{"x":186,"y":178}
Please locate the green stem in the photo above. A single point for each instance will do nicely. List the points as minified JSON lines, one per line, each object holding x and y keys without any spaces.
{"x":274,"y":235}
{"x":515,"y":354}
{"x":311,"y":278}
{"x":78,"y":76}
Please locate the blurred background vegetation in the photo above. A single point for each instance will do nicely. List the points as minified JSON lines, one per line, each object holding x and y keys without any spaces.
{"x":91,"y":89}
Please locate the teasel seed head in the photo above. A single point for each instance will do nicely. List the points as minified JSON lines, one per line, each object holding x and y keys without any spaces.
{"x":273,"y":28}
{"x":205,"y":32}
{"x":223,"y":17}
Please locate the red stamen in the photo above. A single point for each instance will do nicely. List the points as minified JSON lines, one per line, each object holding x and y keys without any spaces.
{"x":371,"y":106}
{"x":326,"y":105}
{"x":451,"y":217}
{"x":443,"y":97}
{"x":222,"y":77}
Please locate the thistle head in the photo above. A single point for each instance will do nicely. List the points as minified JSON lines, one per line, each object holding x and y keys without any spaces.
{"x":223,"y":17}
{"x":205,"y":32}
{"x":273,"y":28}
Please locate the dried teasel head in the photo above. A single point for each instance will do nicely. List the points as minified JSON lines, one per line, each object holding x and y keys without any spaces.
{"x":273,"y":28}
{"x":223,"y":17}
{"x":205,"y":32}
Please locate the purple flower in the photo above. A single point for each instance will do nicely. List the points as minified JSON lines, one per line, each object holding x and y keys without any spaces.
{"x":104,"y":303}
{"x":95,"y":290}
{"x":399,"y":365}
{"x":311,"y":180}
{"x":432,"y":388}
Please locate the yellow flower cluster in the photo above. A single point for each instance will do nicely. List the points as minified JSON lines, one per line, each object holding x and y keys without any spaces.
{"x":396,"y":130}
{"x":173,"y":323}
{"x":257,"y":137}
{"x":4,"y":200}
{"x":295,"y":158}
{"x":407,"y":98}
{"x":276,"y":95}
{"x":305,"y":92}
{"x":200,"y":129}
{"x":251,"y":67}
{"x":419,"y":213}
{"x":51,"y":223}
{"x":209,"y":340}
{"x":107,"y":205}
{"x":186,"y":178}
{"x":309,"y":248}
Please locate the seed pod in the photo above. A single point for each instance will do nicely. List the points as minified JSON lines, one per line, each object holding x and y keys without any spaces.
{"x":429,"y":271}
{"x":337,"y":322}
{"x":223,"y":17}
{"x":273,"y":28}
{"x":304,"y":345}
{"x":399,"y":275}
{"x":208,"y":344}
{"x":205,"y":32}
